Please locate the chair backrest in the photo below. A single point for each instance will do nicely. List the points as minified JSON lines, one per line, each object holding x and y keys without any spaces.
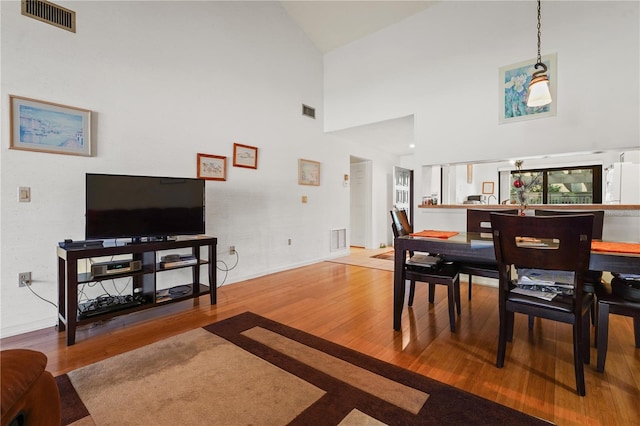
{"x":598,"y":218}
{"x":400,"y":223}
{"x":560,"y":243}
{"x":479,"y":220}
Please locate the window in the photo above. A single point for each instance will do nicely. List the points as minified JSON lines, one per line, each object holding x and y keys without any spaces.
{"x":568,"y":185}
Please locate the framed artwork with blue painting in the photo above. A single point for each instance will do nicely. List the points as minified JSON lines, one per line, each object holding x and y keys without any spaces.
{"x":48,"y":127}
{"x":514,"y":87}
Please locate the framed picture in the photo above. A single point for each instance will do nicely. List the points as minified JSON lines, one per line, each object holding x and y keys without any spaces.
{"x":308,"y":172}
{"x":212,"y":167}
{"x":487,"y":187}
{"x":48,"y":127}
{"x":245,"y":156}
{"x":514,"y":87}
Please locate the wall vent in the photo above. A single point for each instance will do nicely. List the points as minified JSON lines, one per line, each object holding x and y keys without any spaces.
{"x":50,"y":13}
{"x":338,"y":239}
{"x":308,"y":111}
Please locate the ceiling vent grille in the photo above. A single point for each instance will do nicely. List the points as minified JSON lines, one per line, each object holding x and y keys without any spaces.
{"x":50,"y":13}
{"x":308,"y":111}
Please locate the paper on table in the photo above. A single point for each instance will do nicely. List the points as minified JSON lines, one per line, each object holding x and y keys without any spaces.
{"x":424,"y":260}
{"x":534,"y":293}
{"x":543,"y":286}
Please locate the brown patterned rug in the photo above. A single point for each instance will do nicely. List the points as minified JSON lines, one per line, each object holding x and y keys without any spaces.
{"x":386,"y":255}
{"x":250,"y":370}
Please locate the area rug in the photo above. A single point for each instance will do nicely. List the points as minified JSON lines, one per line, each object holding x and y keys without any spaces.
{"x":250,"y":370}
{"x":386,"y":255}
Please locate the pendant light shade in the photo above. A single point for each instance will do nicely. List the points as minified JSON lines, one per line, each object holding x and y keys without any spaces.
{"x":539,"y":94}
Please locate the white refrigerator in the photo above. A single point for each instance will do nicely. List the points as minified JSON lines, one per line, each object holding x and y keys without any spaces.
{"x":622,"y":184}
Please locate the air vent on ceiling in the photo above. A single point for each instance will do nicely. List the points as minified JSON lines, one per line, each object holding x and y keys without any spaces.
{"x":50,"y":13}
{"x":308,"y":111}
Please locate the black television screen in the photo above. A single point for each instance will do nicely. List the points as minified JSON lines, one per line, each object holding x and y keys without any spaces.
{"x":122,"y":206}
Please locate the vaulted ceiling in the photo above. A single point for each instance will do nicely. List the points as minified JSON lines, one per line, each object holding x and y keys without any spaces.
{"x":332,"y":24}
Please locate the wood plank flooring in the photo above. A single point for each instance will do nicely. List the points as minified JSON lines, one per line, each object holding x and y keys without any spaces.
{"x":352,"y":306}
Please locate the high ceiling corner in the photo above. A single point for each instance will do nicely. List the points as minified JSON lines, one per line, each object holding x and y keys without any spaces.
{"x":332,"y":24}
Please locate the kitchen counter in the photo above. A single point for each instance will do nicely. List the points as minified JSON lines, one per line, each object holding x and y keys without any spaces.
{"x":535,"y":206}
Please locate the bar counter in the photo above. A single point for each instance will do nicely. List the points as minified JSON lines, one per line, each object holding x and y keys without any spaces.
{"x":535,"y":206}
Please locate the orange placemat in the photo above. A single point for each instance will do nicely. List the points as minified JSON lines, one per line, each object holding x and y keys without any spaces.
{"x":434,"y":234}
{"x":615,"y":247}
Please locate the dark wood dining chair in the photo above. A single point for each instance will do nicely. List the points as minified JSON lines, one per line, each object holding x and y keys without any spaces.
{"x":593,"y":279}
{"x":615,"y":300}
{"x":479,"y":220}
{"x":554,"y":243}
{"x":444,"y":273}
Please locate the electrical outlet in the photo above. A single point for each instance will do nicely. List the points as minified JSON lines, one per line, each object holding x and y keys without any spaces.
{"x":232,"y":249}
{"x":24,"y":278}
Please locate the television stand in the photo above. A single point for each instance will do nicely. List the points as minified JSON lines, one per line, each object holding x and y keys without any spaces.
{"x":145,"y":294}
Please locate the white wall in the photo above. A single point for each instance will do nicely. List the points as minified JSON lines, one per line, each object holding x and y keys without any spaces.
{"x":166,"y":80}
{"x":442,"y":66}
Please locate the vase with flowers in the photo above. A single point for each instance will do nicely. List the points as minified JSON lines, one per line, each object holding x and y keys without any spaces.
{"x":523,"y":183}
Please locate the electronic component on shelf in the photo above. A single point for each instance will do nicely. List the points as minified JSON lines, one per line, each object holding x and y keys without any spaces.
{"x":70,"y":244}
{"x":184,"y":260}
{"x":115,"y":267}
{"x":170,"y":258}
{"x":105,"y":304}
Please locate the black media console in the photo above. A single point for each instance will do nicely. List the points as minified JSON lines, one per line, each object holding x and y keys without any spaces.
{"x":145,"y":294}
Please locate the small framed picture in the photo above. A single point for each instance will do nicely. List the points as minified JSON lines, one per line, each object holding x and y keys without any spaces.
{"x":513,"y":90}
{"x":212,"y":167}
{"x":487,"y":187}
{"x":47,"y":127}
{"x":245,"y":156}
{"x":308,"y":172}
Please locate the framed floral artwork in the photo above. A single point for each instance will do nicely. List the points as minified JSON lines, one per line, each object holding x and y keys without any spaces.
{"x":514,"y":87}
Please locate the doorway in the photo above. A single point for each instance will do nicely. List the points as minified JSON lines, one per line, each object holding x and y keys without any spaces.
{"x":403,"y":190}
{"x":360,"y":203}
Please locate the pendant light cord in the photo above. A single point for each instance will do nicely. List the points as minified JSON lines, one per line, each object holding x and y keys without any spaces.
{"x":539,"y":57}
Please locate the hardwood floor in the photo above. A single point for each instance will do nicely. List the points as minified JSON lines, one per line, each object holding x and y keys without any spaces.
{"x":352,"y":306}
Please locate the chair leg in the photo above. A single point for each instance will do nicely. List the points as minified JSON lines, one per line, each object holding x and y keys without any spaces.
{"x":603,"y":335}
{"x":470,"y":286}
{"x":586,"y":341}
{"x":594,"y":311}
{"x":412,"y":292}
{"x":456,"y":294}
{"x":510,"y":322}
{"x":578,"y":356}
{"x":502,"y":339}
{"x":451,"y":298}
{"x":596,"y":319}
{"x":432,"y":292}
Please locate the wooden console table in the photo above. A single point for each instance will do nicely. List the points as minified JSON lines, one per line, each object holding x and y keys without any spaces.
{"x":144,"y":291}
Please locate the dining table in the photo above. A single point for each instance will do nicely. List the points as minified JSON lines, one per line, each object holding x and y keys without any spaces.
{"x":475,"y":247}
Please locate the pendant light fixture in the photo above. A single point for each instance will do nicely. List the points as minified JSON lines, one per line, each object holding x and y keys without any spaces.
{"x":539,"y":94}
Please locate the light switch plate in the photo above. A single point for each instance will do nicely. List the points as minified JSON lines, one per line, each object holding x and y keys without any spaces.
{"x":24,"y":194}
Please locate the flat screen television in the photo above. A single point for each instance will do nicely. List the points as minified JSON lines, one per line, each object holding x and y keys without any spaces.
{"x":123,"y":206}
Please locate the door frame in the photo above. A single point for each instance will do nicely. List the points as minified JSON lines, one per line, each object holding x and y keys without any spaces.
{"x":367,"y":190}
